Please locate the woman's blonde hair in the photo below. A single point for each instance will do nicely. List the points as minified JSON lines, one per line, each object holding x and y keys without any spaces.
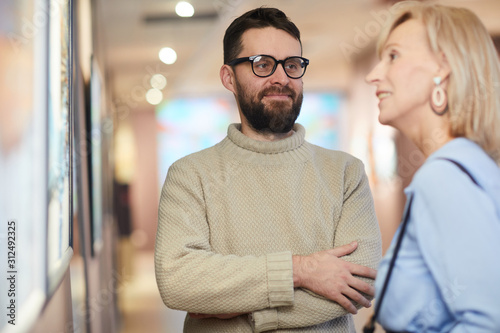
{"x":474,"y":82}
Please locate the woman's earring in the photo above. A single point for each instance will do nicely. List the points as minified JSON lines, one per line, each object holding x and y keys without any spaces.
{"x":439,"y":99}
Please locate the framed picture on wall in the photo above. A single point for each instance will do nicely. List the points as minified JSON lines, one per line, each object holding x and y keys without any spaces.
{"x":95,"y":140}
{"x":24,"y":173}
{"x":59,"y":117}
{"x":81,"y":209}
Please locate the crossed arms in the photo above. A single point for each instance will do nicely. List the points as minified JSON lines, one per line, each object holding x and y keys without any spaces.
{"x":192,"y":277}
{"x":327,"y":275}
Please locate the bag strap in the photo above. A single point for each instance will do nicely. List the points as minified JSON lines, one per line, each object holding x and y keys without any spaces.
{"x":461,"y":167}
{"x":370,"y":326}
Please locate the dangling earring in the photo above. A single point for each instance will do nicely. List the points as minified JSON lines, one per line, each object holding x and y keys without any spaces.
{"x":439,"y":99}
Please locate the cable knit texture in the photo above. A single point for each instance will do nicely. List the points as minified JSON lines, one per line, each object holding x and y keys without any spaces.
{"x":231,"y":217}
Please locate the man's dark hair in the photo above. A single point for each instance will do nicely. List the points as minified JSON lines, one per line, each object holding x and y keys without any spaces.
{"x":257,"y":18}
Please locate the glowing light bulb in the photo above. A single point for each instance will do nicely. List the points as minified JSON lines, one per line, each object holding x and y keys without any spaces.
{"x":154,"y":96}
{"x":168,"y":55}
{"x":158,"y":81}
{"x":184,"y":9}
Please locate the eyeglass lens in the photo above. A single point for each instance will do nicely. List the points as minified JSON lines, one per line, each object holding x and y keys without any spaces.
{"x":264,"y":66}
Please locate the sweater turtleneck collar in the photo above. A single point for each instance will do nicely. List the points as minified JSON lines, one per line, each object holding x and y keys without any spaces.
{"x":244,"y":148}
{"x":292,"y":142}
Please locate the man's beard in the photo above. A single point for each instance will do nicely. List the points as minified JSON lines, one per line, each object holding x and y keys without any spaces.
{"x":274,"y":118}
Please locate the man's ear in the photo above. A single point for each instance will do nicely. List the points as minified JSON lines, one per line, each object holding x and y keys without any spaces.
{"x":227,"y":78}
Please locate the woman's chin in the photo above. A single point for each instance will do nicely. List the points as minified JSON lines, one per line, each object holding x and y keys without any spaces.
{"x":384,"y":120}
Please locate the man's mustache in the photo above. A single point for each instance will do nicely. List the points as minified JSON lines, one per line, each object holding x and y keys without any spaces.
{"x":278,"y":90}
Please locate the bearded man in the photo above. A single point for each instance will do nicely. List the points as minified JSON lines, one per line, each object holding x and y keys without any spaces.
{"x":265,"y":231}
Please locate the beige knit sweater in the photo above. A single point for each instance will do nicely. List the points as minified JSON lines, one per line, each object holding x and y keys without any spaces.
{"x":231,"y":217}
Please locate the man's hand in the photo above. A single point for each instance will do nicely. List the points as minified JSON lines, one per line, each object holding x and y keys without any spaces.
{"x":219,"y":316}
{"x":325,"y":274}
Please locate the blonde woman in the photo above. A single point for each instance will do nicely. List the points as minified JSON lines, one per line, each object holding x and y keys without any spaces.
{"x":438,"y":82}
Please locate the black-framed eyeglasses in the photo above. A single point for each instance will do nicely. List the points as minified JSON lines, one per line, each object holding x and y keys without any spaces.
{"x":265,"y":65}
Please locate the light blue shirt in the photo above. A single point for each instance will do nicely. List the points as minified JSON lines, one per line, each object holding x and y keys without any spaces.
{"x":447,"y":273}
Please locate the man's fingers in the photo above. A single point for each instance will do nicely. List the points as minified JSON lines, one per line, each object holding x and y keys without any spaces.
{"x":357,"y":297}
{"x":345,"y":303}
{"x":362,"y":286}
{"x":344,"y":249}
{"x":364,"y":271}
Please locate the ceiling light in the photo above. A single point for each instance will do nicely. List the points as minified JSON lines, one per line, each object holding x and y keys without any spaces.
{"x":154,"y":96}
{"x":184,"y":9}
{"x":158,"y":81}
{"x":168,"y":55}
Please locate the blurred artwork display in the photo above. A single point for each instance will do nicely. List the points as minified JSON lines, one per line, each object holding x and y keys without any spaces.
{"x":187,"y":125}
{"x":320,"y":115}
{"x":23,"y":199}
{"x":96,"y":157}
{"x":59,"y":144}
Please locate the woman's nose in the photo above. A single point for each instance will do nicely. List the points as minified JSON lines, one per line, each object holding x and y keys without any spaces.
{"x":374,"y":76}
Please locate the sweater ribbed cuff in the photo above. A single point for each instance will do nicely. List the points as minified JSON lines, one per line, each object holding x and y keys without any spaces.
{"x":280,"y":279}
{"x":264,"y":320}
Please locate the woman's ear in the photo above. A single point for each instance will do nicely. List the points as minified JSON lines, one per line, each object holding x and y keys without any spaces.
{"x":444,"y":66}
{"x":227,"y":78}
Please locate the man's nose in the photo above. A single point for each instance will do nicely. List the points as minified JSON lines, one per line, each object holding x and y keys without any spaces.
{"x":279,"y":76}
